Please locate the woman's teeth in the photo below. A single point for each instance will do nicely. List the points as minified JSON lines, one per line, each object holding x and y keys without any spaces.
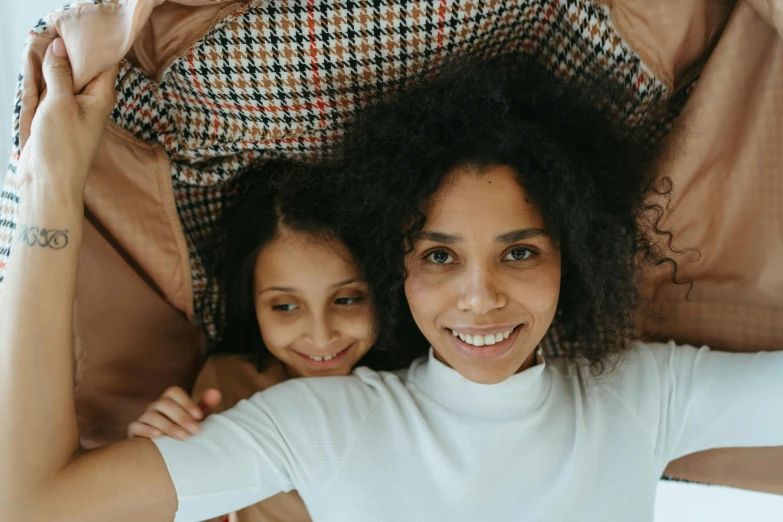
{"x":482,"y":340}
{"x":325,"y":358}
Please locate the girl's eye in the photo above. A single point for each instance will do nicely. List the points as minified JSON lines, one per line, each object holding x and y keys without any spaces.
{"x":439,"y":258}
{"x":284,"y":307}
{"x":348,"y":300}
{"x":519,"y":254}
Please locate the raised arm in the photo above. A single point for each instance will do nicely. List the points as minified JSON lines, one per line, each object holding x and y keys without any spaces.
{"x":238,"y":458}
{"x":41,"y":475}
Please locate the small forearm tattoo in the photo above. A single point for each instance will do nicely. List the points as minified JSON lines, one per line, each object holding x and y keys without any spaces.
{"x":43,"y":237}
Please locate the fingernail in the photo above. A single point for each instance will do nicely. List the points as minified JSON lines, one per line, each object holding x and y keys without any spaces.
{"x":58,"y":48}
{"x":196,"y":414}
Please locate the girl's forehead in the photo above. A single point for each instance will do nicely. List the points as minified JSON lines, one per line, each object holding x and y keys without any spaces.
{"x":298,"y":260}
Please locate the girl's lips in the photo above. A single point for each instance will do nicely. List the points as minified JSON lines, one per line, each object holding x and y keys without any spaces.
{"x":331,"y":363}
{"x":487,"y":351}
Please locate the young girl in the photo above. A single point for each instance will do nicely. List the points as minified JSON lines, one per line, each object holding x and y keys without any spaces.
{"x":290,"y":299}
{"x":521,"y":219}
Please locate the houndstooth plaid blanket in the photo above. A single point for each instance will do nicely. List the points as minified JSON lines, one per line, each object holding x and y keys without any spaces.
{"x":280,"y":78}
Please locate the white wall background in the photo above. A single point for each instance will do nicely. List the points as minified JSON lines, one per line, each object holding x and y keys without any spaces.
{"x":676,"y":502}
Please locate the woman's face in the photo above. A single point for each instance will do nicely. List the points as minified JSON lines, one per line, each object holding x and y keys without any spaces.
{"x":484,"y":275}
{"x":313,"y":308}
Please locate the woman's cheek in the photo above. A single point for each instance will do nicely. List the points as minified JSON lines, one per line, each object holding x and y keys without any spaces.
{"x":427,"y":293}
{"x":416,"y":286}
{"x":539,"y":291}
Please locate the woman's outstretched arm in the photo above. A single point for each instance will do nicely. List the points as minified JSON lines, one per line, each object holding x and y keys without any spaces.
{"x":41,"y":476}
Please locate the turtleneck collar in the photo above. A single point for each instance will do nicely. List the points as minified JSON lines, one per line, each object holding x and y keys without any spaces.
{"x":521,"y":393}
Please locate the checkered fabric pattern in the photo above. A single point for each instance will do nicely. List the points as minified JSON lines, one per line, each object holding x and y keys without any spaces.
{"x":280,"y":78}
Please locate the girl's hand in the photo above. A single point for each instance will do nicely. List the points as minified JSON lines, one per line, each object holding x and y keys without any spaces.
{"x":175,"y":415}
{"x":66,"y":128}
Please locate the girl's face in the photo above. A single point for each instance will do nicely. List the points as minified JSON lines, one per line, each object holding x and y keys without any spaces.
{"x":484,"y":275}
{"x":313,"y":308}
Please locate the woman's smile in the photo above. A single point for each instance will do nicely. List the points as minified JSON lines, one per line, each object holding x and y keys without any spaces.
{"x":484,"y":345}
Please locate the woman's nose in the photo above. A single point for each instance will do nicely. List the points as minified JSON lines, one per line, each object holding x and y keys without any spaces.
{"x":480,"y":293}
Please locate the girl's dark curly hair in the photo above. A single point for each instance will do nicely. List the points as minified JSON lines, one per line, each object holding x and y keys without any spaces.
{"x":587,"y":175}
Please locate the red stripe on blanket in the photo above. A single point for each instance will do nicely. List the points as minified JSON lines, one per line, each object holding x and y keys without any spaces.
{"x":441,"y":27}
{"x":314,"y":61}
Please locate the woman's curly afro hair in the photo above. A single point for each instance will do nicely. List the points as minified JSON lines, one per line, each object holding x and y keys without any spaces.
{"x":587,"y":175}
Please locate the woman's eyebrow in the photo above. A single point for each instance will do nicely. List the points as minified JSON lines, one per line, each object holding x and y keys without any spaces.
{"x":439,"y":237}
{"x":509,"y":237}
{"x":520,"y":235}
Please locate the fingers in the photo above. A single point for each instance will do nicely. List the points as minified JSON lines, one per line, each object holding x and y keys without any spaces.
{"x":181,"y":398}
{"x":210,"y":400}
{"x":174,"y":415}
{"x":163,"y":424}
{"x":32,"y":83}
{"x":137,"y":429}
{"x":57,"y":69}
{"x":100,"y":94}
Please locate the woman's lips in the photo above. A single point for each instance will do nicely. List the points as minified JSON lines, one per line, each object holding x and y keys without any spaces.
{"x":487,"y":351}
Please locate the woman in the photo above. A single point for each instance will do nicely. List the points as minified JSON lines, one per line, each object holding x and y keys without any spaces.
{"x":470,"y":432}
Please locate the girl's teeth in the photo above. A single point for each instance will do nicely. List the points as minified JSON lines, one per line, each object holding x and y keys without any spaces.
{"x":326,"y":358}
{"x":482,"y":340}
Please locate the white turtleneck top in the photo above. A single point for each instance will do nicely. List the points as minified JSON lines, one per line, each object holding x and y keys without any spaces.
{"x":551,"y":443}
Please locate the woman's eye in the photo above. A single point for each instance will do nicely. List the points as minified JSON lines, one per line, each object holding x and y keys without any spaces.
{"x":347,"y":300}
{"x":284,"y":307}
{"x":439,"y":258}
{"x":519,"y":254}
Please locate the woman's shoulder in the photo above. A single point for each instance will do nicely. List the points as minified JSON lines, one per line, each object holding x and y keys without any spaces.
{"x":336,"y":406}
{"x":640,"y":358}
{"x":658,"y":359}
{"x":625,"y":390}
{"x":362,"y":389}
{"x":638,"y":379}
{"x":633,"y":376}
